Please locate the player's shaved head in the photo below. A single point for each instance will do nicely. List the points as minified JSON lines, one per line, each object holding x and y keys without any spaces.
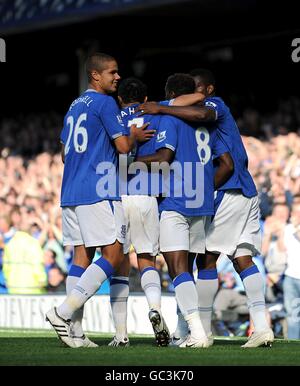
{"x":97,"y":62}
{"x":179,"y":84}
{"x":206,"y":76}
{"x":132,"y":90}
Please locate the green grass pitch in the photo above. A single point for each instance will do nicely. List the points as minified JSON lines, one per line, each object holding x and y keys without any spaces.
{"x":33,"y":347}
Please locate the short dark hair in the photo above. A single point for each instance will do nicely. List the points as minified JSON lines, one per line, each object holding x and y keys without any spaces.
{"x":206,"y":76}
{"x":132,"y":90}
{"x":179,"y":84}
{"x":96,"y":62}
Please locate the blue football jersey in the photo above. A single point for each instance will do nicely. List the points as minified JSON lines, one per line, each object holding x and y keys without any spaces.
{"x":90,"y":127}
{"x":228,"y":130}
{"x":141,"y":182}
{"x":190,"y":188}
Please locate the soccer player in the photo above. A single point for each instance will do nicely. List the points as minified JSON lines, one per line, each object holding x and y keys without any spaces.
{"x":190,"y":150}
{"x":141,"y":212}
{"x":237,"y":213}
{"x":92,"y":214}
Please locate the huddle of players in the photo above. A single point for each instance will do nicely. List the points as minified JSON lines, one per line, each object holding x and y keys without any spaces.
{"x":205,"y":137}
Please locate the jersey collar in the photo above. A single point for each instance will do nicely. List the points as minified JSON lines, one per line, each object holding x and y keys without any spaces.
{"x":90,"y":90}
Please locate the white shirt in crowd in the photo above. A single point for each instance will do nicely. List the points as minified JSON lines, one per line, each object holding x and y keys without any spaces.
{"x":292,"y":244}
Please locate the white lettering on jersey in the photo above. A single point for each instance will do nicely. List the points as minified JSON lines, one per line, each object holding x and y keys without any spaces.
{"x":203,"y":149}
{"x":78,"y":131}
{"x":83,"y":99}
{"x":136,"y":121}
{"x":119,"y":118}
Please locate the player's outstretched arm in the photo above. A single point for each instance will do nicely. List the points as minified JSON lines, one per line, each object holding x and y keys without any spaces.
{"x":189,"y":113}
{"x":224,"y":171}
{"x":188,"y":99}
{"x":125,"y":144}
{"x":162,"y":155}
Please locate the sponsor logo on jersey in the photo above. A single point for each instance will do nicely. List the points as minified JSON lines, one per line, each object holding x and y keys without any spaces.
{"x":161,"y":136}
{"x":209,"y":103}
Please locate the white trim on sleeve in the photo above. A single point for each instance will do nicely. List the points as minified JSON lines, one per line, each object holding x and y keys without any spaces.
{"x":167,"y":145}
{"x":117,"y":135}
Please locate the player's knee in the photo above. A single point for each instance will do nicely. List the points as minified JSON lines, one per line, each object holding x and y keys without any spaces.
{"x":83,"y":256}
{"x":145,"y":261}
{"x":180,"y":267}
{"x":241,"y":263}
{"x":123,"y":268}
{"x":174,"y":269}
{"x":207,"y":261}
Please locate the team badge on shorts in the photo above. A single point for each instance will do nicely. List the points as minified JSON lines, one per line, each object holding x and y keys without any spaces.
{"x":123,"y":231}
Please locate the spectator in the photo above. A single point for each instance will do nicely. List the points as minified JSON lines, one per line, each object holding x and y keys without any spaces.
{"x":49,"y":259}
{"x":23,"y":266}
{"x":229,"y":304}
{"x":291,"y":284}
{"x":51,"y":238}
{"x":56,"y":280}
{"x":274,"y":249}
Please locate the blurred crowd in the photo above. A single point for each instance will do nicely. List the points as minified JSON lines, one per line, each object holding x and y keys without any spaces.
{"x":31,"y":229}
{"x":29,"y":206}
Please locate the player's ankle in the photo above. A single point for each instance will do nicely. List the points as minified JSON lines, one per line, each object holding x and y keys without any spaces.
{"x":121,"y":337}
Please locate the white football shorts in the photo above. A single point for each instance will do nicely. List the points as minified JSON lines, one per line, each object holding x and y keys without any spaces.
{"x":235,"y":224}
{"x":142,"y":224}
{"x":180,"y":233}
{"x":94,"y":225}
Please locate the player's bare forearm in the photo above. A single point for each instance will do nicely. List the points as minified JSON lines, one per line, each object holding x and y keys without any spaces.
{"x":224,"y":171}
{"x":189,"y":113}
{"x":124,"y":144}
{"x":131,"y":141}
{"x":189,"y":99}
{"x":148,"y":159}
{"x":162,"y":155}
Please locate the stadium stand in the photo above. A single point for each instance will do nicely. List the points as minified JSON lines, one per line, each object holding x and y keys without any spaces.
{"x":30,"y":166}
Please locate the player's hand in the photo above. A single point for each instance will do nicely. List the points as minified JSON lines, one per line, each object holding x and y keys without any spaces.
{"x":148,"y":108}
{"x":141,"y":134}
